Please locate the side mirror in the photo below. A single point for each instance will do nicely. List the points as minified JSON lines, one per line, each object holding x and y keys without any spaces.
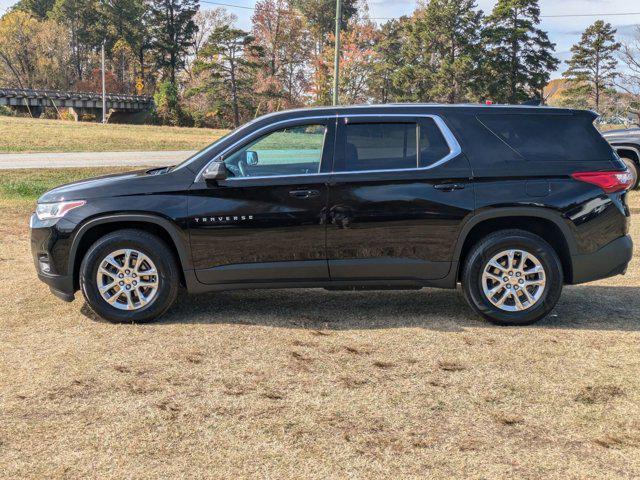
{"x":251,"y":158}
{"x":215,"y":171}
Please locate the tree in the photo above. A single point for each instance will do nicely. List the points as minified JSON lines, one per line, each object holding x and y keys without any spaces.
{"x":173,"y":30}
{"x":86,"y":26}
{"x":38,"y":8}
{"x":33,"y":54}
{"x":206,"y":22}
{"x":167,"y":102}
{"x":356,"y":65}
{"x":519,"y":55}
{"x":629,"y":79}
{"x":227,"y":70}
{"x":321,"y":17}
{"x":441,"y":53}
{"x":630,"y":56}
{"x":592,"y":67}
{"x":388,"y":61}
{"x":285,"y":50}
{"x":125,"y":19}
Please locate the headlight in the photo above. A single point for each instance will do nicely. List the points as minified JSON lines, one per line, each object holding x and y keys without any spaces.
{"x":48,"y":211}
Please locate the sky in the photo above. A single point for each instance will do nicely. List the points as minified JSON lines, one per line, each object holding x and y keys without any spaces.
{"x":563,"y":31}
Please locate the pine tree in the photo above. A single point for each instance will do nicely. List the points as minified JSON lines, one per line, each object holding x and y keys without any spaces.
{"x":227,"y":63}
{"x":441,"y":52}
{"x":592,"y":67}
{"x":519,"y":54}
{"x":388,"y":61}
{"x":321,"y":17}
{"x":172,"y":30}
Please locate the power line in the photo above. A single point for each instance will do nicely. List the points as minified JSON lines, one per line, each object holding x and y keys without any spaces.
{"x":286,"y":12}
{"x":590,"y":15}
{"x":562,"y":15}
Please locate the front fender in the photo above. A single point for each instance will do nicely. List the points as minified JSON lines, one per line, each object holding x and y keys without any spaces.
{"x":178,"y":236}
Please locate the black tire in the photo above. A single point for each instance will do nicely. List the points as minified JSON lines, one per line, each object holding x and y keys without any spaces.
{"x":633,"y":168}
{"x":149,"y":245}
{"x":492,"y":245}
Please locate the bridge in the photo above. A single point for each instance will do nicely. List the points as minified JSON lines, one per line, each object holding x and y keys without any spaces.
{"x":34,"y":102}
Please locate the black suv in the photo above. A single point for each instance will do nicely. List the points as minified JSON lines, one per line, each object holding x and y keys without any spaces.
{"x":512,"y":202}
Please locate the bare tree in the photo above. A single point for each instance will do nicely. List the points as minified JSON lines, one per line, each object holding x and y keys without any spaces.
{"x":206,"y":21}
{"x":630,"y":56}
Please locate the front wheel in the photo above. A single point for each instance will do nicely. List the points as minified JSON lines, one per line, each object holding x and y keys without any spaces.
{"x":512,"y":277}
{"x":129,"y":276}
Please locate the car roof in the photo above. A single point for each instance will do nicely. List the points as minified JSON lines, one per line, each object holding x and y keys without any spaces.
{"x":426,"y":108}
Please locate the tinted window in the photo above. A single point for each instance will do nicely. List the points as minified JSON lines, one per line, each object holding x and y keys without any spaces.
{"x":380,"y":146}
{"x":289,"y":151}
{"x":433,"y":145}
{"x":548,"y":137}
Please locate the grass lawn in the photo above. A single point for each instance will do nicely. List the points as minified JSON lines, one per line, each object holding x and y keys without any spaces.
{"x":36,"y":135}
{"x":312,"y":384}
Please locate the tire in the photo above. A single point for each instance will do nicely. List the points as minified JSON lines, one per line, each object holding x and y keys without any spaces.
{"x":145,"y":251}
{"x":475,"y":284}
{"x":633,"y":168}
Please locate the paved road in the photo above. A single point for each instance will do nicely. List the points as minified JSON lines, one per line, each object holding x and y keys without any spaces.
{"x":90,"y":159}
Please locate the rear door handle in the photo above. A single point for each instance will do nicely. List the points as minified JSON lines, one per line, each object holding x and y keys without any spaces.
{"x":448,"y":187}
{"x":304,"y":193}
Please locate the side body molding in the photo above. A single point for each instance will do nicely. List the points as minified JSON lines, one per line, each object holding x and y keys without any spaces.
{"x":178,"y":236}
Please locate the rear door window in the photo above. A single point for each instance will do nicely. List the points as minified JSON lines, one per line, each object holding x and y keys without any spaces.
{"x":549,"y":137}
{"x":391,"y":146}
{"x":380,"y":146}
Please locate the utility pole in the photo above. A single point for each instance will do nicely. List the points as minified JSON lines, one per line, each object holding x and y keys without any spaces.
{"x":336,"y":59}
{"x":104,"y":88}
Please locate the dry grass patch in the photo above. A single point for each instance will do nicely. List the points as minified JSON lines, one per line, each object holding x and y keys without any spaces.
{"x":592,"y":394}
{"x":21,"y":135}
{"x":257,"y":384}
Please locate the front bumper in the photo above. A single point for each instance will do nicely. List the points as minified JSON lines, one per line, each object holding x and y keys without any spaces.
{"x":610,"y":260}
{"x":50,"y":251}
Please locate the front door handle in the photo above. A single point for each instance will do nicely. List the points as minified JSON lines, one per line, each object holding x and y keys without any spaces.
{"x":448,"y":187}
{"x":304,"y":193}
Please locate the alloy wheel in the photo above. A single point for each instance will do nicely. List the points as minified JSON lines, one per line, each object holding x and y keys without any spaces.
{"x":513,"y":280}
{"x":127,"y":279}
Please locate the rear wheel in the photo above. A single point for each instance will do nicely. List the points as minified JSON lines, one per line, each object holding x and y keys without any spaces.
{"x":633,"y":168}
{"x":512,"y":277}
{"x":129,"y":276}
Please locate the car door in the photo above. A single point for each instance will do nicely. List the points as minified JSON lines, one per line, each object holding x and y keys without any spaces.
{"x":400,"y":191}
{"x":265,"y":222}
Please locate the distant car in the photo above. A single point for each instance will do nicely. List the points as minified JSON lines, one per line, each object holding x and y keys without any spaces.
{"x":626,"y":143}
{"x":511,"y":202}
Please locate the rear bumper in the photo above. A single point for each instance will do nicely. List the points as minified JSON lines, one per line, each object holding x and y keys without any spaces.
{"x":610,"y":260}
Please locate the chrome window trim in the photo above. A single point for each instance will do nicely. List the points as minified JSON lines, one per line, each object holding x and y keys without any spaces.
{"x":452,"y":142}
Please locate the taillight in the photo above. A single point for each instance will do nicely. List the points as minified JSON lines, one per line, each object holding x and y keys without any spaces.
{"x":608,"y":181}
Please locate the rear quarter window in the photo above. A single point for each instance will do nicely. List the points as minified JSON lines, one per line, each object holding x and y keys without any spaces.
{"x":548,"y":137}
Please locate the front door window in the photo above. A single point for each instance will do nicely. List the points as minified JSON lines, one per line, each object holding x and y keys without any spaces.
{"x":289,"y":151}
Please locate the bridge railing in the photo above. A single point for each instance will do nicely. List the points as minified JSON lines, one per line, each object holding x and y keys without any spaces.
{"x":62,"y":95}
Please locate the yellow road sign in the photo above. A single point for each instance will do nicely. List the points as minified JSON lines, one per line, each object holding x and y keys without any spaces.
{"x":139,"y":86}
